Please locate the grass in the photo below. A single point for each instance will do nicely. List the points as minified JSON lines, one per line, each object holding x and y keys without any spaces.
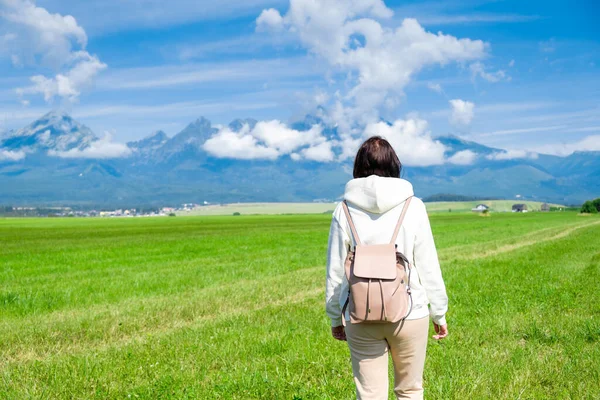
{"x":232,"y":308}
{"x":322,"y":208}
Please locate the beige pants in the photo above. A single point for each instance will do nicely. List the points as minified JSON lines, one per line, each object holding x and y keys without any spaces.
{"x":369,"y":346}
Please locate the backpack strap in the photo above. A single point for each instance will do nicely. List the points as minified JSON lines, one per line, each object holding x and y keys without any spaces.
{"x":406,"y":203}
{"x":349,"y":218}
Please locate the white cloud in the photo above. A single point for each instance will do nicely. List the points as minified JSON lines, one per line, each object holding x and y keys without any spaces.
{"x":241,"y":145}
{"x":269,"y":19}
{"x":350,"y":144}
{"x":8,"y":155}
{"x":464,"y":157}
{"x":436,"y":87}
{"x":35,"y":31}
{"x":589,"y":143}
{"x":269,"y":140}
{"x":276,"y":134}
{"x":478,"y":69}
{"x":511,"y":63}
{"x":100,"y":149}
{"x":69,"y":85}
{"x":321,"y":98}
{"x":511,"y":155}
{"x":411,"y":140}
{"x":321,"y":152}
{"x":50,"y":39}
{"x":462,"y":112}
{"x":374,"y":60}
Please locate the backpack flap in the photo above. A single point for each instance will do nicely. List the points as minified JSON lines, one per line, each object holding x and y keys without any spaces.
{"x":376,"y":261}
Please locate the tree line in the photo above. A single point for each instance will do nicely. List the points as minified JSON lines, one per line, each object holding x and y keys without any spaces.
{"x":591,"y":206}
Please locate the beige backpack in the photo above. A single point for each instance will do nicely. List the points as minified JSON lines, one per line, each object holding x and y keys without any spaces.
{"x":378,"y":278}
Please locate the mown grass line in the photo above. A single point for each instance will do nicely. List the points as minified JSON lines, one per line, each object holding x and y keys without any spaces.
{"x":99,"y":326}
{"x":488,"y":241}
{"x":525,"y":241}
{"x":78,"y":277}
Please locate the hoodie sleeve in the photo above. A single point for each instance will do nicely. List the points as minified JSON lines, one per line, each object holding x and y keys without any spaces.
{"x":427,"y":263}
{"x":336,"y":255}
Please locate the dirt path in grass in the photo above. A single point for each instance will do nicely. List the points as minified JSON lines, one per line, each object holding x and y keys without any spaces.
{"x":515,"y":246}
{"x":144,"y":333}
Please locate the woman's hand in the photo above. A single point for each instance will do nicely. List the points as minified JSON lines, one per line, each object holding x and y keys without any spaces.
{"x":440,"y":330}
{"x":338,"y":332}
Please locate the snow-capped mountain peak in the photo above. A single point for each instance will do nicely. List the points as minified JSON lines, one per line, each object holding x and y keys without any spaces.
{"x":149,"y":144}
{"x":54,"y":131}
{"x":192,"y":136}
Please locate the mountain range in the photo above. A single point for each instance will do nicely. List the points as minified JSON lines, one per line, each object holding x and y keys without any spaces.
{"x":40,"y":165}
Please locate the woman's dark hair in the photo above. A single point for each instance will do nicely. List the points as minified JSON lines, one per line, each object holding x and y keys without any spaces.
{"x":377,"y":157}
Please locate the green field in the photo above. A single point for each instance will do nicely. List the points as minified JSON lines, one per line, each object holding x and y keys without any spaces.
{"x":233,"y":308}
{"x":321,"y":208}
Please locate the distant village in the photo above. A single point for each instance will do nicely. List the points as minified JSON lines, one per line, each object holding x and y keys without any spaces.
{"x":8,"y":211}
{"x":119,"y":212}
{"x":521,"y":208}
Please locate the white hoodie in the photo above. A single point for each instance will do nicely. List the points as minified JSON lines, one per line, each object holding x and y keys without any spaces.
{"x":375,"y":204}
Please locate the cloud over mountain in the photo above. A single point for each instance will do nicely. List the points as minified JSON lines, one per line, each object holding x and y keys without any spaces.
{"x":100,"y":149}
{"x":411,"y":140}
{"x":268,"y":140}
{"x":463,"y":157}
{"x":588,"y":143}
{"x":512,"y":155}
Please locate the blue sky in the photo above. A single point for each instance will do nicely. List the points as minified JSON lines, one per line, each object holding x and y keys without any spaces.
{"x":533,"y":84}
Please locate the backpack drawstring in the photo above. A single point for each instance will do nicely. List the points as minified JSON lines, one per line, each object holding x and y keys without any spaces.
{"x":382,"y":301}
{"x":368,"y":299}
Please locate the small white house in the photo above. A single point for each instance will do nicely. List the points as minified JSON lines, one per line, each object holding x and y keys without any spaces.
{"x":480,"y":208}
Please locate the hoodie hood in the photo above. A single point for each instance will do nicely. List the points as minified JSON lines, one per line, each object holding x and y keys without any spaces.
{"x":377,"y":194}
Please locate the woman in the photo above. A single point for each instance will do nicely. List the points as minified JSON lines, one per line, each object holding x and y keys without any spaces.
{"x":375,"y":199}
